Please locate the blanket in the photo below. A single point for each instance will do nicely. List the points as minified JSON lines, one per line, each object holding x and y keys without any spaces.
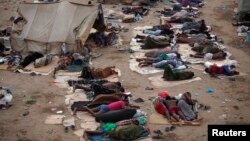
{"x":158,"y":81}
{"x":45,"y":70}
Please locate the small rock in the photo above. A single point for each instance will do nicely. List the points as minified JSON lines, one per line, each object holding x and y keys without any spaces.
{"x":236,"y":107}
{"x":240,"y":99}
{"x":241,"y":118}
{"x":149,"y":88}
{"x":26,"y":113}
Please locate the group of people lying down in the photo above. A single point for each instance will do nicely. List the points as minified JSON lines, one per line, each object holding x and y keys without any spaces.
{"x":176,"y":108}
{"x":110,"y":106}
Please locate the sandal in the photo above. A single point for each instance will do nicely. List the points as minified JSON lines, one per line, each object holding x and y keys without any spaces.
{"x":158,"y":132}
{"x":66,"y":129}
{"x":158,"y":137}
{"x":73,"y":127}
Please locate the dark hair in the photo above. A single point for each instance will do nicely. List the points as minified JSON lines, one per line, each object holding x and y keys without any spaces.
{"x":119,"y":84}
{"x":168,"y":98}
{"x":89,"y":2}
{"x":178,"y":55}
{"x":207,"y":70}
{"x":122,"y":89}
{"x":233,"y":66}
{"x":224,"y":54}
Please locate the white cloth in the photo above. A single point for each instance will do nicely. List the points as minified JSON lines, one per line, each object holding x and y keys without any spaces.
{"x":178,"y":97}
{"x":6,"y":99}
{"x":208,"y":56}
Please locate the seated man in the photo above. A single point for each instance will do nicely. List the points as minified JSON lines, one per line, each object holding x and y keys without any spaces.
{"x":110,"y":107}
{"x":215,"y":70}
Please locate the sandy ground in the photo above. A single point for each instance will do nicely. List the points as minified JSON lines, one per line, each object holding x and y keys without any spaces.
{"x":230,"y":98}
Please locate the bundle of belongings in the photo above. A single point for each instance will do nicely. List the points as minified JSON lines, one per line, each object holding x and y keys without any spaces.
{"x":181,"y":109}
{"x":134,"y":13}
{"x":107,"y":37}
{"x":5,"y":97}
{"x":110,"y":106}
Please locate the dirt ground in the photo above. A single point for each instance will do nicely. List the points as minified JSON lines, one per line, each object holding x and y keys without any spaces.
{"x":230,"y":98}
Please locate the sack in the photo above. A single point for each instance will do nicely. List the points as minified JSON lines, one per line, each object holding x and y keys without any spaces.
{"x":43,"y":61}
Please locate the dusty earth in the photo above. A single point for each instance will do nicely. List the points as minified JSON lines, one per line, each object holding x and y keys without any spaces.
{"x":231,"y":98}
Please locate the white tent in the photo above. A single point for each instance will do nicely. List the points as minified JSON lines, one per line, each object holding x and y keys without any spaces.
{"x":243,"y":14}
{"x":49,"y":25}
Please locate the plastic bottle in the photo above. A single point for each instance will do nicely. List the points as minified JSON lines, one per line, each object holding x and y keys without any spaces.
{"x":64,"y":48}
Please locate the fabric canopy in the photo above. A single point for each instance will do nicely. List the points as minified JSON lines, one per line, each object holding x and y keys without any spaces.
{"x":48,"y":25}
{"x":244,"y":6}
{"x":56,"y":22}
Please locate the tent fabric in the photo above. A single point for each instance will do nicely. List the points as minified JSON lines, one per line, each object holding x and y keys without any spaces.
{"x":54,"y":22}
{"x":243,"y":11}
{"x":49,"y":25}
{"x":244,"y":6}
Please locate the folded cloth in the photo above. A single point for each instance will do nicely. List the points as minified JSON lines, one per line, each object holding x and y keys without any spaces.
{"x":40,"y":62}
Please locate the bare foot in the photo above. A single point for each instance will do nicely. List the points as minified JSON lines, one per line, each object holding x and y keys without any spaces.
{"x":74,"y":87}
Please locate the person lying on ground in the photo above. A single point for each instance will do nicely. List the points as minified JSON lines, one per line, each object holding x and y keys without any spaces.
{"x":209,"y":56}
{"x":205,"y":47}
{"x":63,"y":62}
{"x":190,"y":40}
{"x":2,"y":48}
{"x":154,"y":37}
{"x":161,"y":108}
{"x":28,"y":59}
{"x":156,"y":52}
{"x":186,"y":105}
{"x":103,"y":99}
{"x":168,"y":58}
{"x":215,"y":70}
{"x":111,"y":130}
{"x":103,"y":88}
{"x":5,"y":98}
{"x":171,"y":75}
{"x":118,"y":105}
{"x":160,"y":30}
{"x":174,"y":110}
{"x":180,"y":20}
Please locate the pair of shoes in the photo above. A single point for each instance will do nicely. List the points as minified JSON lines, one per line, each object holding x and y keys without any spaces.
{"x":66,"y":129}
{"x":158,"y":137}
{"x":167,"y":129}
{"x":139,"y":100}
{"x":158,"y":132}
{"x":149,"y":88}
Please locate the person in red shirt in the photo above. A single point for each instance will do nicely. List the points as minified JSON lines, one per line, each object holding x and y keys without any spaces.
{"x":110,"y":107}
{"x":214,"y":70}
